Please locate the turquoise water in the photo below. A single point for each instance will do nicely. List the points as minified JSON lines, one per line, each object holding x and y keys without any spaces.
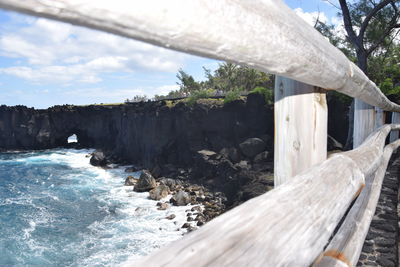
{"x":58,"y":210}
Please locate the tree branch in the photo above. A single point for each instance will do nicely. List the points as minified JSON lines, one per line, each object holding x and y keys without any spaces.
{"x":332,"y":4}
{"x":349,"y":26}
{"x":371,"y":14}
{"x":392,"y":25}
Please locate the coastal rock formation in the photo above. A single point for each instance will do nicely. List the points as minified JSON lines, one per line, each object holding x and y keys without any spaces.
{"x":145,"y":183}
{"x":226,"y":147}
{"x":145,"y":133}
{"x":159,"y":192}
{"x":181,"y":198}
{"x":98,"y":159}
{"x":130,"y":180}
{"x":252,"y":147}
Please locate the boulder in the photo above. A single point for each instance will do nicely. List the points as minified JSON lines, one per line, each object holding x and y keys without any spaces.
{"x":207,"y":154}
{"x":159,"y":192}
{"x":185,"y":225}
{"x":98,"y":159}
{"x":171,"y":183}
{"x":181,"y":198}
{"x":231,"y":153}
{"x":170,"y":217}
{"x":130,"y":180}
{"x":262,"y":157}
{"x":252,"y":147}
{"x":146,"y":182}
{"x":243,"y":165}
{"x":162,"y":206}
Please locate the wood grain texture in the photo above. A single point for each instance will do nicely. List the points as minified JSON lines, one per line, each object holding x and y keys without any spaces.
{"x":380,"y":117}
{"x":289,"y":226}
{"x":364,"y":122}
{"x":349,"y":239}
{"x":231,"y":30}
{"x":300,"y":140}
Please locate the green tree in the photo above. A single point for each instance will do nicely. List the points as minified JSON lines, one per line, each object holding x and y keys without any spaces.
{"x":187,"y":83}
{"x":370,"y":26}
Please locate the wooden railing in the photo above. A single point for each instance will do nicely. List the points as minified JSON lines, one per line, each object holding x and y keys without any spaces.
{"x":294,"y":224}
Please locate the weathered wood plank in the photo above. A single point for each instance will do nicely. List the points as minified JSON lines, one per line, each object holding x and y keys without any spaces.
{"x":380,"y":117}
{"x":231,"y":30}
{"x":364,"y":122}
{"x":288,"y":226}
{"x":349,"y":240}
{"x":394,"y":135}
{"x":300,"y":140}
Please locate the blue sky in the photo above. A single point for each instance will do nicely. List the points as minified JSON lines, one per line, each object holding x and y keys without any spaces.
{"x":45,"y":63}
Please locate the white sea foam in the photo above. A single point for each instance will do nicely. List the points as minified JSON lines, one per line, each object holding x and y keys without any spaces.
{"x":131,"y":226}
{"x":135,"y":227}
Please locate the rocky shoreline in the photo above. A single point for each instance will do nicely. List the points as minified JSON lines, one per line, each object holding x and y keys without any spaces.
{"x":216,"y":182}
{"x":220,"y":154}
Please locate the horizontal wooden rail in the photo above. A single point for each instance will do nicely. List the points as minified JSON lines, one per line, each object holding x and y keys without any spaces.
{"x":290,"y":225}
{"x":263,"y":34}
{"x":347,"y":243}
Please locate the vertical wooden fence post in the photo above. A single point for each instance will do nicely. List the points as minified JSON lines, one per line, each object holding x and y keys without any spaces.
{"x":380,"y":117}
{"x":394,"y":135}
{"x":301,"y":117}
{"x":364,"y":121}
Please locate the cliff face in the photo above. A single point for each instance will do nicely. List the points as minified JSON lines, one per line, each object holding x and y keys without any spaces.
{"x":143,"y":133}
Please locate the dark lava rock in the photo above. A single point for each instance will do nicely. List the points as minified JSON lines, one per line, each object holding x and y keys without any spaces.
{"x":196,"y":208}
{"x":186,"y":225}
{"x":170,"y":217}
{"x":146,"y":182}
{"x":252,"y":147}
{"x":231,"y":153}
{"x":156,"y":171}
{"x":162,"y":206}
{"x":132,"y":169}
{"x":130,"y":180}
{"x":171,"y":183}
{"x":98,"y":159}
{"x":262,"y":157}
{"x":207,"y":154}
{"x":159,"y":192}
{"x":181,"y":198}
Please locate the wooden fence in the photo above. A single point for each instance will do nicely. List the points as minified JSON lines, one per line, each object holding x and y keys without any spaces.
{"x":294,"y":224}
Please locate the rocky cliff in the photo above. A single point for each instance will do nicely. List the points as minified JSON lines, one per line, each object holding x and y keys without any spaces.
{"x":227,"y":147}
{"x":142,"y":133}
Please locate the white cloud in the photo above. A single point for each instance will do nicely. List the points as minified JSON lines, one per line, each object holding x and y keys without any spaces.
{"x":311,"y":17}
{"x":58,"y":52}
{"x":339,"y":27}
{"x":164,"y":90}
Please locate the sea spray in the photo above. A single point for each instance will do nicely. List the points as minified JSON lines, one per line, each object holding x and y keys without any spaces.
{"x":58,"y":210}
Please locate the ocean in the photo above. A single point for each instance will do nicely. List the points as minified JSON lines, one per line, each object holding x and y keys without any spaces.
{"x":58,"y":210}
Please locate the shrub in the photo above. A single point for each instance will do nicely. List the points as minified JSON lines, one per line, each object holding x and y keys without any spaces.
{"x":268,"y":94}
{"x":206,"y":93}
{"x":232,"y":95}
